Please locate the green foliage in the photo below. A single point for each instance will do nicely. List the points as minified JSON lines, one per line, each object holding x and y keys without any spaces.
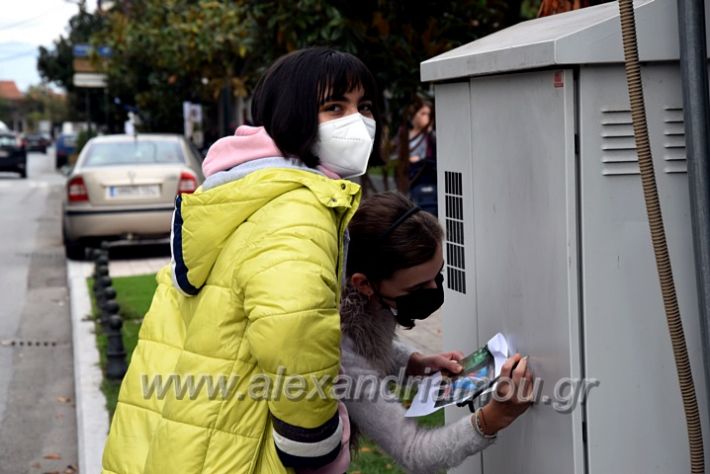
{"x":392,"y":38}
{"x":41,"y":103}
{"x":164,"y":49}
{"x":369,"y":458}
{"x":165,"y":52}
{"x":55,"y":65}
{"x":131,"y":303}
{"x":83,"y":137}
{"x":134,"y":295}
{"x":169,"y":51}
{"x":6,"y":112}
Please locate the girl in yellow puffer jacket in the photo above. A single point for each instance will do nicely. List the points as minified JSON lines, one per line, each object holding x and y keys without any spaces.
{"x":250,"y":301}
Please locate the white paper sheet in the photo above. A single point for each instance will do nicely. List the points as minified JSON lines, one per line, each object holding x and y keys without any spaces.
{"x":425,"y":400}
{"x":423,"y":403}
{"x":500,"y":351}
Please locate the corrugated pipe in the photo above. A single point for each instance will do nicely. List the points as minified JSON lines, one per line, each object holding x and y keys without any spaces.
{"x":658,"y":237}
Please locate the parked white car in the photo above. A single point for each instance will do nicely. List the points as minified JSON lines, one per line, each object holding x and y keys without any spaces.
{"x":124,"y":186}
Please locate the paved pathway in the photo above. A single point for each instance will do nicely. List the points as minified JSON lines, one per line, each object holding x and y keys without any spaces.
{"x":145,"y":266}
{"x":37,"y":414}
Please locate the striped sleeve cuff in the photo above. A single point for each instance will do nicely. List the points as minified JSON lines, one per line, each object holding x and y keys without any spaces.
{"x":308,"y":447}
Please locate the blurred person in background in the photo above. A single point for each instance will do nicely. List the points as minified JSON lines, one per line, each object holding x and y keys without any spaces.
{"x":417,"y":146}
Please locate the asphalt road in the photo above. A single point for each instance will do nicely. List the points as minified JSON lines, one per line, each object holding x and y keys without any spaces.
{"x":37,"y":412}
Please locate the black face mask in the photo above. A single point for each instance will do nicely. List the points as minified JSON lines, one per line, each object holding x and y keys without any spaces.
{"x":419,"y":304}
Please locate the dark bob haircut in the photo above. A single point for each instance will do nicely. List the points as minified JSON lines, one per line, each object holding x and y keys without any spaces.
{"x":288,"y":96}
{"x":378,"y":254}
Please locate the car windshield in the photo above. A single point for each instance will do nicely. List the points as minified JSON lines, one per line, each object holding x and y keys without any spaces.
{"x":133,"y":153}
{"x":6,"y":140}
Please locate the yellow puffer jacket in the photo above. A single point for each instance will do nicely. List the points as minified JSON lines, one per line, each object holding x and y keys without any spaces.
{"x":258,"y":263}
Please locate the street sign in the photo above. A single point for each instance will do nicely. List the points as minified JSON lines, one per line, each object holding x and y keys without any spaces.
{"x":87,"y":72}
{"x":84,"y":51}
{"x":83,"y":65}
{"x":104,"y":51}
{"x":89,"y":80}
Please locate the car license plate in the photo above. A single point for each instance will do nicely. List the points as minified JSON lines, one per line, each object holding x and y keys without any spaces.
{"x":149,"y":190}
{"x":4,"y":154}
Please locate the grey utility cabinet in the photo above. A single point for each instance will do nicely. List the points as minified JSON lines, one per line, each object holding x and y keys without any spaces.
{"x":547,"y":239}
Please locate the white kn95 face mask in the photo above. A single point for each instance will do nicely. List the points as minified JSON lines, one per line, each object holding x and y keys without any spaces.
{"x":344,"y":144}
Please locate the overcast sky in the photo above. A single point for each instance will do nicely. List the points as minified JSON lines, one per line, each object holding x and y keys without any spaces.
{"x":24,"y":26}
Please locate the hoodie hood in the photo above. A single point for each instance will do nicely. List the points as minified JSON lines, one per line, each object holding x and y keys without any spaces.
{"x":247,"y":144}
{"x":244,"y":172}
{"x":204,"y":221}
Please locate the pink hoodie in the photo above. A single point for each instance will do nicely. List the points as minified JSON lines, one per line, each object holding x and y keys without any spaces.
{"x":247,"y":144}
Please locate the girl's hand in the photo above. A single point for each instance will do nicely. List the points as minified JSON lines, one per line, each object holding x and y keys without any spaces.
{"x":513,"y":396}
{"x":420,"y":364}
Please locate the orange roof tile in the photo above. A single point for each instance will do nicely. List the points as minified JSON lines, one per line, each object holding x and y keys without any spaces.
{"x":9,"y":91}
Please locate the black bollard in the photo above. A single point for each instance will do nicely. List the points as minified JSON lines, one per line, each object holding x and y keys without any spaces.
{"x":102,"y":282}
{"x":93,"y":253}
{"x":115,"y":352}
{"x":108,"y":309}
{"x":102,"y":259}
{"x":104,"y":295}
{"x":100,"y":270}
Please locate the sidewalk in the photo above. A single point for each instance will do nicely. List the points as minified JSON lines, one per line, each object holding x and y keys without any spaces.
{"x":91,"y":414}
{"x":425,"y":336}
{"x":144,"y":266}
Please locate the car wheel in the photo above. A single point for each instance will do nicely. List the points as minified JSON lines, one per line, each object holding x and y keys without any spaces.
{"x":23,"y":172}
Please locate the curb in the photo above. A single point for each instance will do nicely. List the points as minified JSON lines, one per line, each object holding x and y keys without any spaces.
{"x":91,"y":414}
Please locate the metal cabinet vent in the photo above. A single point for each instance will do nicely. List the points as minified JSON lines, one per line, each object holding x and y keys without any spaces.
{"x":618,"y":144}
{"x":674,"y":141}
{"x":454,"y":215}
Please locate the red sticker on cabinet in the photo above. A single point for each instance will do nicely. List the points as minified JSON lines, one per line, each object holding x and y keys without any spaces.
{"x":559,"y":79}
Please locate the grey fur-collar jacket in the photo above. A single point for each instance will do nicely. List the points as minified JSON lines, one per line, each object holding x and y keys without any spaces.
{"x":370,"y":349}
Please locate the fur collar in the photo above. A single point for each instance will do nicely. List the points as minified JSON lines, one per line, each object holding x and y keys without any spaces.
{"x":370,"y":326}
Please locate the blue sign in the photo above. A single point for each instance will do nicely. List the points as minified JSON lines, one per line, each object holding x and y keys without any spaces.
{"x":82,"y":50}
{"x":85,"y":50}
{"x":104,"y":51}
